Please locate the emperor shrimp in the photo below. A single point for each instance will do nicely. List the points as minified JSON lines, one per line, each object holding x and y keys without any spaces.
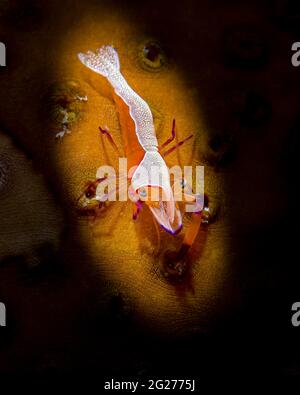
{"x":142,"y":149}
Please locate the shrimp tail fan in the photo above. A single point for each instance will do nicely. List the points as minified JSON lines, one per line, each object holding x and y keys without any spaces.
{"x":104,"y":61}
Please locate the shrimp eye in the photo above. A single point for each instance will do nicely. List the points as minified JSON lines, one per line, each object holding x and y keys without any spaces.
{"x":142,"y":192}
{"x":152,"y":56}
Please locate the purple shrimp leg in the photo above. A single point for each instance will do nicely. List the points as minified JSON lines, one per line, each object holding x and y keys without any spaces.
{"x":136,"y":209}
{"x":169,"y":151}
{"x":170,"y":139}
{"x":111,"y":140}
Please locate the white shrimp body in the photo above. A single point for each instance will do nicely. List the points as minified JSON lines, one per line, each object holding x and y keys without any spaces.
{"x":105,"y":61}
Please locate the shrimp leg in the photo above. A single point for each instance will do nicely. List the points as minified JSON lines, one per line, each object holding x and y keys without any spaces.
{"x":111,"y":140}
{"x":170,"y":139}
